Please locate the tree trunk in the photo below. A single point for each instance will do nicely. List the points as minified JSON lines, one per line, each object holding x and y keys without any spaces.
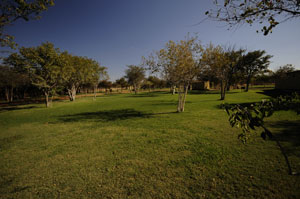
{"x":11,"y":94}
{"x":95,"y":92}
{"x":135,"y":89}
{"x":47,"y":99}
{"x":72,"y":93}
{"x":179,"y":101}
{"x":228,"y":86}
{"x":7,"y":94}
{"x":247,"y":84}
{"x":181,"y":98}
{"x":184,"y":98}
{"x":173,"y":90}
{"x":223,"y":90}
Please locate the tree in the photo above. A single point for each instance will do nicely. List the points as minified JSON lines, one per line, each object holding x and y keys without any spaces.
{"x":13,"y":10}
{"x":179,"y":63}
{"x":122,"y":83}
{"x":222,"y":63}
{"x":154,"y":81}
{"x":43,"y":66}
{"x":78,"y":71}
{"x":135,"y":75}
{"x":253,"y":63}
{"x":98,"y":74}
{"x":12,"y":80}
{"x":105,"y":84}
{"x":235,"y":58}
{"x":273,"y":12}
{"x":283,"y":70}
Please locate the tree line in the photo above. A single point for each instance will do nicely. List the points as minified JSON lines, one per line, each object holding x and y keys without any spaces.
{"x":45,"y":69}
{"x":182,"y":62}
{"x":48,"y":70}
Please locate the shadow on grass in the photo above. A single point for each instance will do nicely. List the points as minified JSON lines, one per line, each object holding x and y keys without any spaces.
{"x":276,"y":93}
{"x":111,"y":115}
{"x":287,"y":131}
{"x":196,"y":92}
{"x":13,"y":108}
{"x":148,"y":94}
{"x":169,"y":103}
{"x":247,"y":104}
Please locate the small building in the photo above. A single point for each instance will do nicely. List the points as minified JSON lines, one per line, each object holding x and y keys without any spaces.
{"x":291,"y":81}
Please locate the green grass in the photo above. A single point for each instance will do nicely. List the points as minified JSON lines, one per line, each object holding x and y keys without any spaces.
{"x":136,"y":146}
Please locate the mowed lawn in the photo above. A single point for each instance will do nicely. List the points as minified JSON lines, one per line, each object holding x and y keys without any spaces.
{"x":136,"y":146}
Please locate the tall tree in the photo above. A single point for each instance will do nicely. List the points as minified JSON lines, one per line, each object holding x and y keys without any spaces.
{"x":273,"y":12}
{"x":78,"y":71}
{"x":218,"y":61}
{"x":179,"y":63}
{"x":135,"y":75}
{"x":235,"y":58}
{"x":43,"y":66}
{"x":98,"y":73}
{"x":254,"y":62}
{"x":13,"y":10}
{"x":122,"y":83}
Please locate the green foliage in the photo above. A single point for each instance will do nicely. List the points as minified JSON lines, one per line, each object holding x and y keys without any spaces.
{"x":43,"y":65}
{"x":234,"y":12}
{"x":179,"y":63}
{"x":50,"y":70}
{"x":253,"y":63}
{"x":78,"y":71}
{"x":251,"y":117}
{"x":135,"y":75}
{"x":122,"y":82}
{"x":223,"y":64}
{"x":13,"y":10}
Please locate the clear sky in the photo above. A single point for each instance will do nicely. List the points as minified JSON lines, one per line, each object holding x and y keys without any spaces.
{"x":117,"y":33}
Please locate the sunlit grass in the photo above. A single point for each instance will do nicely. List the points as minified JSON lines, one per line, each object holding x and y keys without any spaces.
{"x":136,"y":146}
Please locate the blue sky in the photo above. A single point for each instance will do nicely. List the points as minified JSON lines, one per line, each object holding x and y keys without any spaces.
{"x":119,"y":32}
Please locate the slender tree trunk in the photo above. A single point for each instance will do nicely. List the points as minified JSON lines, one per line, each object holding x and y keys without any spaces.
{"x":223,"y":90}
{"x":173,"y":90}
{"x":179,"y":101}
{"x":7,"y":94}
{"x":47,"y":99}
{"x":135,"y":89}
{"x":181,"y":98}
{"x":228,"y":86}
{"x":95,"y":92}
{"x":11,"y":94}
{"x":184,"y":97}
{"x":247,"y":84}
{"x":72,"y":93}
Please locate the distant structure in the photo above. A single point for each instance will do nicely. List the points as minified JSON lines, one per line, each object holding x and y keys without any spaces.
{"x":201,"y":85}
{"x":291,"y":81}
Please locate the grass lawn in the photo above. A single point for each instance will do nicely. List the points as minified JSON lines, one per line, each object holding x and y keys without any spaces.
{"x":136,"y":146}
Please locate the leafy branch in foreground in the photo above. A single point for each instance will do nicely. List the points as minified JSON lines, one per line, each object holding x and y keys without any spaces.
{"x":269,"y":13}
{"x":250,"y":118}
